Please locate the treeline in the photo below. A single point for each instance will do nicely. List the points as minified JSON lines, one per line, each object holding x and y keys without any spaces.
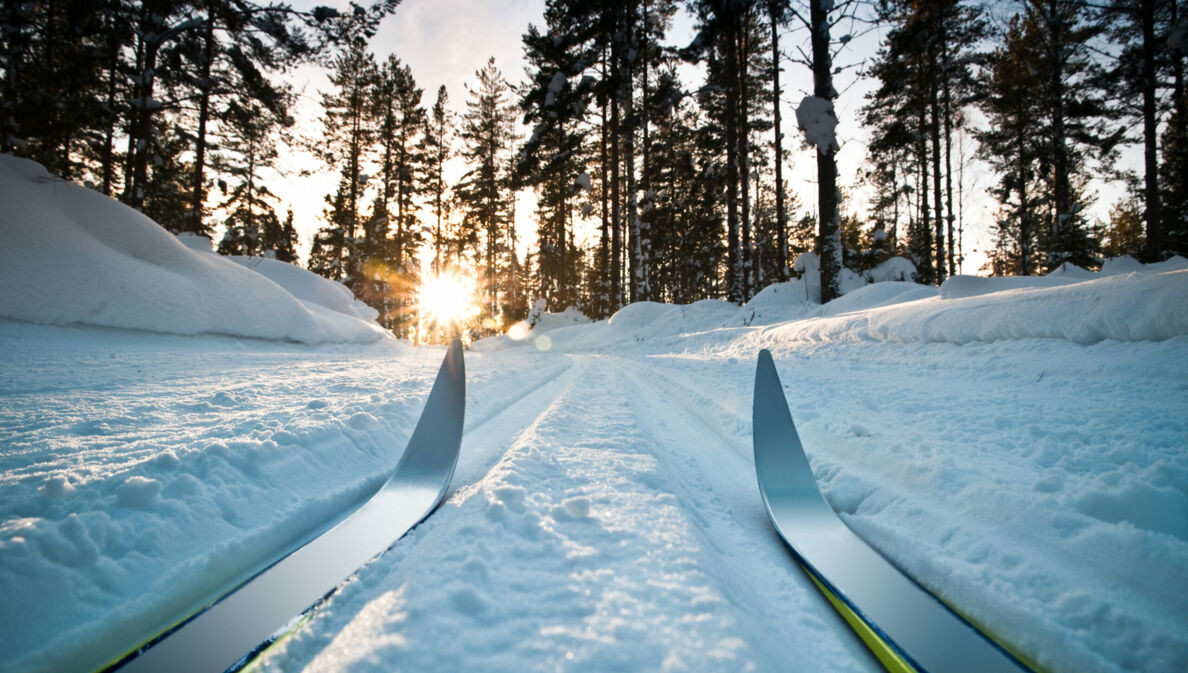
{"x":177,"y":107}
{"x":1063,"y":86}
{"x":173,"y":106}
{"x":685,"y":179}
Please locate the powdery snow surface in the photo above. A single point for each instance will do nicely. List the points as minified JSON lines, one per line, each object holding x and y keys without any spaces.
{"x":73,"y":256}
{"x":1018,"y":446}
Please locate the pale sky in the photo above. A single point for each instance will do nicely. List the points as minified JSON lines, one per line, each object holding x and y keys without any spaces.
{"x":446,"y":41}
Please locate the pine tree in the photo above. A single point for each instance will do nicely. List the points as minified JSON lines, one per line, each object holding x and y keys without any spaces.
{"x":1145,"y":66}
{"x":1124,"y":233}
{"x":925,"y":80}
{"x":1010,"y":145}
{"x":437,"y":150}
{"x":349,"y":132}
{"x":279,"y":240}
{"x":486,"y":134}
{"x":553,"y":159}
{"x":1046,"y":58}
{"x":1174,"y":164}
{"x":249,"y":147}
{"x":401,"y":122}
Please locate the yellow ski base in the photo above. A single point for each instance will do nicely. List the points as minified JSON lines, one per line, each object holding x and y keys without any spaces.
{"x":887,"y":656}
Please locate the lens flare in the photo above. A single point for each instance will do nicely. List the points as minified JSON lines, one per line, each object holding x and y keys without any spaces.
{"x":447,"y":300}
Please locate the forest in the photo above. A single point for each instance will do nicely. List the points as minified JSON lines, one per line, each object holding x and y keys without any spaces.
{"x":180,"y":109}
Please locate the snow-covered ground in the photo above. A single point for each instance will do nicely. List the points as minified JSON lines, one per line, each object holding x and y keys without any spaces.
{"x":1020,"y":446}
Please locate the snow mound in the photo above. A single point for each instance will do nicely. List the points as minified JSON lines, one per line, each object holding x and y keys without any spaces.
{"x":893,"y":269}
{"x":72,"y":256}
{"x":961,"y":287}
{"x":567,"y":318}
{"x":1129,"y":307}
{"x":878,"y":295}
{"x":309,"y":287}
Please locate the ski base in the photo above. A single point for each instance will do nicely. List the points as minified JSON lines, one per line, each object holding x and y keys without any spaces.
{"x":907,"y":628}
{"x":233,"y":630}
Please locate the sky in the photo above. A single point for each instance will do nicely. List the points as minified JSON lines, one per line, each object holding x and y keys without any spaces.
{"x":446,"y":41}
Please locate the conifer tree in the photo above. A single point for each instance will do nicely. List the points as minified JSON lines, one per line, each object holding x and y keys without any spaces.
{"x":1046,"y":58}
{"x":279,"y":239}
{"x":349,"y":132}
{"x":437,"y":149}
{"x":486,"y":134}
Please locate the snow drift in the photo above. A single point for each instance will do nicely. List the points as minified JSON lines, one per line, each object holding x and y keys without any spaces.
{"x":73,"y":256}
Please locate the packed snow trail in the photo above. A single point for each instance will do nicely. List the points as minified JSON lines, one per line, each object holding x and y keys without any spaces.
{"x":146,"y":475}
{"x":970,"y":466}
{"x":224,"y":633}
{"x":1037,"y":484}
{"x":592,"y":545}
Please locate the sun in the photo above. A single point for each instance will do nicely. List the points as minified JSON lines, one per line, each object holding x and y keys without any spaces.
{"x":446,"y":300}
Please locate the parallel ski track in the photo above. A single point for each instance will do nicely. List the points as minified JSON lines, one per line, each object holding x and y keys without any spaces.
{"x":502,"y":428}
{"x":718,"y":486}
{"x":512,"y":406}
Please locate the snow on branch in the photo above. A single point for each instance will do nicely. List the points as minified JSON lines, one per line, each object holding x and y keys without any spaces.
{"x":816,"y":118}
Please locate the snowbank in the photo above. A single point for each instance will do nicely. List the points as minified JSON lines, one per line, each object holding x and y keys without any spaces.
{"x":1085,"y":307}
{"x":73,"y":256}
{"x":1148,"y":306}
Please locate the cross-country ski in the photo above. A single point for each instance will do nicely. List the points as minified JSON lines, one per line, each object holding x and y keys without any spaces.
{"x":906,"y":627}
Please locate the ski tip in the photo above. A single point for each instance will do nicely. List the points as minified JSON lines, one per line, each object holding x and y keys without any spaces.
{"x":763,"y":364}
{"x":454,"y":364}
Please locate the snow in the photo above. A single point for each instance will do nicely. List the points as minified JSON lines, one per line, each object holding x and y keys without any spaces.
{"x":1017,"y":445}
{"x":72,"y":256}
{"x":816,"y":117}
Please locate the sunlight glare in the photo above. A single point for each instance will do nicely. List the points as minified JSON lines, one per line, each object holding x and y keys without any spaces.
{"x":447,"y":299}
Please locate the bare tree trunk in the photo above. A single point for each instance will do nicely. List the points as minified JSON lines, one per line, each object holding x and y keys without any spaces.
{"x":637,"y":287}
{"x":736,"y":291}
{"x":108,"y":157}
{"x":1154,"y":214}
{"x":1024,"y":215}
{"x":1061,"y":189}
{"x":604,"y":256}
{"x":744,"y":159}
{"x":828,"y":198}
{"x":781,"y":216}
{"x":948,"y":118}
{"x":616,"y":208}
{"x":934,"y":132}
{"x":925,"y":207}
{"x":198,"y":184}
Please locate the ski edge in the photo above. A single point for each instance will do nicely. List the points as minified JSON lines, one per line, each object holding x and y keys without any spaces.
{"x":452,"y":367}
{"x":893,"y":658}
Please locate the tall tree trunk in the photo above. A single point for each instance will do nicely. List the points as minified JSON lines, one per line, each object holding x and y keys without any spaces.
{"x":1179,"y":130}
{"x":198,"y":184}
{"x":1024,"y":207}
{"x":1154,"y":214}
{"x":744,"y":160}
{"x":648,"y":209}
{"x":781,"y":259}
{"x":948,"y":113}
{"x":616,"y":208}
{"x":142,"y":129}
{"x":109,"y":132}
{"x":828,"y":198}
{"x":604,"y":256}
{"x":638,"y":274}
{"x":925,"y":224}
{"x":934,"y":133}
{"x":1061,"y":188}
{"x":736,"y":291}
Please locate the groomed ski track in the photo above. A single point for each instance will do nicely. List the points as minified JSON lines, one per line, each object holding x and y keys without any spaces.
{"x":604,"y":513}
